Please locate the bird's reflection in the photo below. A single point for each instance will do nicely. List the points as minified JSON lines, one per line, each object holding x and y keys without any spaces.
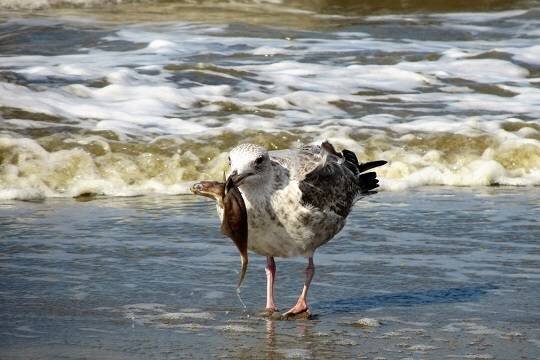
{"x":300,"y":340}
{"x":270,"y":337}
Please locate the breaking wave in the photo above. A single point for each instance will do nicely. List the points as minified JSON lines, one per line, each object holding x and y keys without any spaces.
{"x":101,"y":163}
{"x":127,"y":109}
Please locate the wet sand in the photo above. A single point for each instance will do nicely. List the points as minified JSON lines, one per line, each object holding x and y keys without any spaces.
{"x":431,"y":273}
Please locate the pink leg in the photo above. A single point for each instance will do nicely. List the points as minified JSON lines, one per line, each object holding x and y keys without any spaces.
{"x":270,"y":275}
{"x":301,"y":304}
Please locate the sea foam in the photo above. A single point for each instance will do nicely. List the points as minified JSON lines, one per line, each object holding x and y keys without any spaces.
{"x":149,"y":108}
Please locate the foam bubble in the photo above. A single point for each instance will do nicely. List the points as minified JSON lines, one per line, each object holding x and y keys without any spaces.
{"x":187,"y":315}
{"x":479,"y":70}
{"x":529,"y":55}
{"x":479,"y":17}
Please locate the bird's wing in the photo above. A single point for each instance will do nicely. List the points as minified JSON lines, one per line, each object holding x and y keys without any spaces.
{"x":327,"y":179}
{"x":299,"y":162}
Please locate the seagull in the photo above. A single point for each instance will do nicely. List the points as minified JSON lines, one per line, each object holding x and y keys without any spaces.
{"x":293,"y":201}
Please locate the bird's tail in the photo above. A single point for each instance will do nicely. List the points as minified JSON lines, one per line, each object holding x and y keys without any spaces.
{"x":367,"y":180}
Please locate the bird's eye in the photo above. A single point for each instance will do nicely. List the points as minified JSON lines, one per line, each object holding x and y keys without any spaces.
{"x":259,"y":160}
{"x":229,"y":158}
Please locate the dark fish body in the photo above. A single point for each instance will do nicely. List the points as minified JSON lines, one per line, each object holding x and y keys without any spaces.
{"x":234,"y":223}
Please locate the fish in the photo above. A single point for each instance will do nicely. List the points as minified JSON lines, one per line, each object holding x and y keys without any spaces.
{"x":232,"y":208}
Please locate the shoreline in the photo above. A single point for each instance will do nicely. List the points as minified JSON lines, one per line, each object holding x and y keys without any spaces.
{"x":445,"y":273}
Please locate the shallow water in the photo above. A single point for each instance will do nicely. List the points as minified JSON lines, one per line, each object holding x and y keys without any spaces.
{"x":104,"y":99}
{"x":448,"y":274}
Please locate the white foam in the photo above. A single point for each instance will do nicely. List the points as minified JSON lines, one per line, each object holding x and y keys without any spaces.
{"x":323,"y":78}
{"x":24,"y":4}
{"x":37,"y":173}
{"x":367,"y":322}
{"x":127,"y":108}
{"x":479,"y":70}
{"x":269,"y":51}
{"x":479,"y":17}
{"x":187,"y":315}
{"x":235,"y":328}
{"x":276,"y":87}
{"x":154,"y":98}
{"x":160,"y":44}
{"x":529,"y":55}
{"x":21,"y":194}
{"x":421,"y":348}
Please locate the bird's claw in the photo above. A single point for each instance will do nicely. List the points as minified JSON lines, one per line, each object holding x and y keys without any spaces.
{"x":304,"y":314}
{"x":269,"y":312}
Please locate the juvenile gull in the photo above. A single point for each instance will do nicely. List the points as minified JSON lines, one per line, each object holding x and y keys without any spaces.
{"x":296,"y":200}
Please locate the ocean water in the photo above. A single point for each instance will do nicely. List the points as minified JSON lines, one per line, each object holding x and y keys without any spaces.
{"x":144,"y":98}
{"x":110,"y":110}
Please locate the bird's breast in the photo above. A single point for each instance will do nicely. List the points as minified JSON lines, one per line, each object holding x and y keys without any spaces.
{"x":280,"y":225}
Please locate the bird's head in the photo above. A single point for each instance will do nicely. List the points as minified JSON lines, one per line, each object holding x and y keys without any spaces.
{"x":249,"y":164}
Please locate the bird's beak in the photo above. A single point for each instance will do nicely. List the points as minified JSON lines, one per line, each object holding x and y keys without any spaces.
{"x":236,"y":178}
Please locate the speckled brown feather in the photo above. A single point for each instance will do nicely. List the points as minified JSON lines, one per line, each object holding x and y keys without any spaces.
{"x":337,"y":180}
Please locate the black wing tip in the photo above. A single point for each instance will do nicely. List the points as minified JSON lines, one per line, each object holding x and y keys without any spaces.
{"x":368,"y":182}
{"x":371,"y":165}
{"x":350,"y":156}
